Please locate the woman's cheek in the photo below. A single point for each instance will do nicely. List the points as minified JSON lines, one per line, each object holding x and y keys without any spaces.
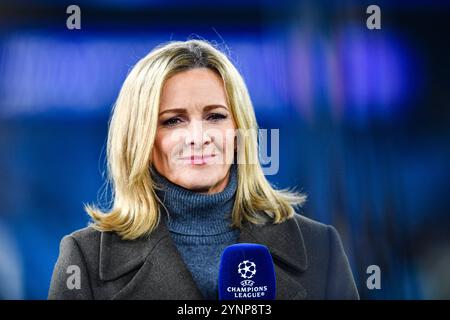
{"x":228,"y":145}
{"x":171,"y":153}
{"x":161,"y":147}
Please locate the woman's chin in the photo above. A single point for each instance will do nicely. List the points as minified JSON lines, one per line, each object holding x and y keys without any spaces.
{"x":200,"y":180}
{"x":197,"y":186}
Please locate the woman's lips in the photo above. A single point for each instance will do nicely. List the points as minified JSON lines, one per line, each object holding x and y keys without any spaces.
{"x":197,"y":160}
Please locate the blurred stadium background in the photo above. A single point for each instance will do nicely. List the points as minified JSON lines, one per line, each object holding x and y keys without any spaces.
{"x":364,"y":121}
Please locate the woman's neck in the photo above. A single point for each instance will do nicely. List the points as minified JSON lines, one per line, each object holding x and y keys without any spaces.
{"x":195,"y":213}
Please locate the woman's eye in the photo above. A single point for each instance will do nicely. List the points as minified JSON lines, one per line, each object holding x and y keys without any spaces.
{"x":216,"y":116}
{"x":171,"y":122}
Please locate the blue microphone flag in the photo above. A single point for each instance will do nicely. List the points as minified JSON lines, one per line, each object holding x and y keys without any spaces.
{"x":246,"y":273}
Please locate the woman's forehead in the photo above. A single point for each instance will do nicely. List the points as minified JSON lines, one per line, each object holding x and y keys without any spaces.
{"x":196,"y":87}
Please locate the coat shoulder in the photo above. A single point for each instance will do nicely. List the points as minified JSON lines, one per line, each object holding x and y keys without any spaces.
{"x":311,"y":229}
{"x":87,"y":239}
{"x":307,"y":222}
{"x":86,"y":234}
{"x":77,"y":249}
{"x":330,"y":274}
{"x":318,"y":237}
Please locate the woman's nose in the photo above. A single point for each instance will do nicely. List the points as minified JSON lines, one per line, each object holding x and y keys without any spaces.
{"x":196,"y":135}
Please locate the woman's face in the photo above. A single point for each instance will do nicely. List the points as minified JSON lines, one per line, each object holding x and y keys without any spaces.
{"x":195,"y":138}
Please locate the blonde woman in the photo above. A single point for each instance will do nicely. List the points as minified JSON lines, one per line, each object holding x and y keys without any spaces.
{"x":187,"y":183}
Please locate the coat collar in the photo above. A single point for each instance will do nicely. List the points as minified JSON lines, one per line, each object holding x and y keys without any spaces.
{"x":157,"y":251}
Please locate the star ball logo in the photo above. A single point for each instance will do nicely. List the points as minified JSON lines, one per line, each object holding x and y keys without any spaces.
{"x":247,"y":270}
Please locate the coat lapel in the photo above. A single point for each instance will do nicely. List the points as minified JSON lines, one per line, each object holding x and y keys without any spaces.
{"x":162,"y":273}
{"x":163,"y":276}
{"x":286,"y":245}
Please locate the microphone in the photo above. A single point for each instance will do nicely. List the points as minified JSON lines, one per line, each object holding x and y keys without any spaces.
{"x":246,"y":272}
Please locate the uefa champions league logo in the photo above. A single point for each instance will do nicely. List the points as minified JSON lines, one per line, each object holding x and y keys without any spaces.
{"x":247,"y":290}
{"x":247,"y":270}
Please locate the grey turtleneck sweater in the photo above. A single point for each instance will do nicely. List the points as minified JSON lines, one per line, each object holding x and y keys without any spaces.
{"x":200,"y":227}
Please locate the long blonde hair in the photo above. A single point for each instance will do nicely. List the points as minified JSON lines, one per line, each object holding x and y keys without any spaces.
{"x":135,"y":210}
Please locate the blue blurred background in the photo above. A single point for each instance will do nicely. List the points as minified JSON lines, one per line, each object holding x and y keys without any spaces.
{"x":364,"y":121}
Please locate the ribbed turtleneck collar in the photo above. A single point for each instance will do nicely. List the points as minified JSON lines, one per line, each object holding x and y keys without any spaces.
{"x":194,"y":213}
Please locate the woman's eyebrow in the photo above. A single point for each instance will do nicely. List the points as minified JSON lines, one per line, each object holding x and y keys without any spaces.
{"x":183,"y":110}
{"x":175,"y":110}
{"x":214,"y":106}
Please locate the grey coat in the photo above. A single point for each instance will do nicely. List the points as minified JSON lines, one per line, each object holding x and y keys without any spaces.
{"x":309,"y":259}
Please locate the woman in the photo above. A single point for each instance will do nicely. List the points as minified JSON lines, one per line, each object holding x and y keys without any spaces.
{"x":187,"y":183}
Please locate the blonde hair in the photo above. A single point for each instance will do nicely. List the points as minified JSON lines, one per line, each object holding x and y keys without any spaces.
{"x":135,"y":209}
